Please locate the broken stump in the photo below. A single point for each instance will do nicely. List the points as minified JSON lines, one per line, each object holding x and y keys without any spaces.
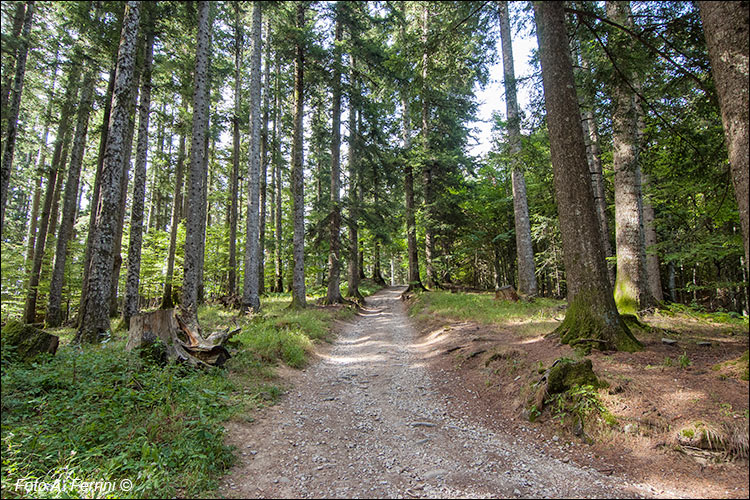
{"x":182,"y":340}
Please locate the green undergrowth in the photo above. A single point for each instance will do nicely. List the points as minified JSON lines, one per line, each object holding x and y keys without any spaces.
{"x":483,"y":308}
{"x":100,"y":414}
{"x":720,"y":317}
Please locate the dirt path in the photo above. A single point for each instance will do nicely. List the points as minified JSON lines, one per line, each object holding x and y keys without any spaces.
{"x":365,"y":421}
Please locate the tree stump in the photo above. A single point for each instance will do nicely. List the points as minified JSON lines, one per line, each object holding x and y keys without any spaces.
{"x":183,"y":341}
{"x":506,"y":293}
{"x":29,"y":340}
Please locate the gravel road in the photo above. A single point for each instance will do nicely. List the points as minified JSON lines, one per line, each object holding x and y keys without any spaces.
{"x":366,"y":422}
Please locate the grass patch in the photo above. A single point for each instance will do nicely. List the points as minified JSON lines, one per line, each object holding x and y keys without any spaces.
{"x":483,"y":308}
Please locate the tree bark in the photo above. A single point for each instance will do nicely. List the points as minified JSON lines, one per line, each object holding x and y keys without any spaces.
{"x":428,"y":160}
{"x":95,"y":195}
{"x":54,"y":316}
{"x":333,"y":295}
{"x":39,"y":167}
{"x":132,"y":295}
{"x":593,"y":156}
{"x":298,"y":181}
{"x":725,"y":25}
{"x":353,"y":275}
{"x":15,"y":105}
{"x":591,"y":313}
{"x":8,"y":69}
{"x":194,"y":234}
{"x":250,"y":297}
{"x":411,"y":225}
{"x":278,"y":265}
{"x":524,"y":249}
{"x":95,"y":310}
{"x":631,"y":283}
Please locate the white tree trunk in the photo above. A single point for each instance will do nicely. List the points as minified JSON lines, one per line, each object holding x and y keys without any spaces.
{"x":194,"y":233}
{"x":250,"y":298}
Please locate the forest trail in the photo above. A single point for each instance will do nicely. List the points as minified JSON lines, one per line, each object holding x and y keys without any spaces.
{"x":365,"y":421}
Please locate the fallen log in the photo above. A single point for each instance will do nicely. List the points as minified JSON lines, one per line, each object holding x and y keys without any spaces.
{"x":182,"y":339}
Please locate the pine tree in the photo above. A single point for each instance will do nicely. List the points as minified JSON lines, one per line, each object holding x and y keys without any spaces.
{"x":591,"y":313}
{"x":95,"y":310}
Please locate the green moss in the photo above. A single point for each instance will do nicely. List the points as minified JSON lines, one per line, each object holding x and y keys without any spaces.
{"x":625,"y":296}
{"x":609,"y":419}
{"x":566,"y":374}
{"x":28,"y":340}
{"x":688,"y":433}
{"x":587,"y":323}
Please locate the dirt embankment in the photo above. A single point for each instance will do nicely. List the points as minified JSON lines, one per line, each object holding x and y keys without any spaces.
{"x":656,"y":396}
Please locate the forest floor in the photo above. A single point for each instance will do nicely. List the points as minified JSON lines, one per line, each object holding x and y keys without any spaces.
{"x":390,"y":410}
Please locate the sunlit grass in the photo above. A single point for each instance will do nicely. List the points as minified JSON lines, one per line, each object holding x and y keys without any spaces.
{"x":483,"y":308}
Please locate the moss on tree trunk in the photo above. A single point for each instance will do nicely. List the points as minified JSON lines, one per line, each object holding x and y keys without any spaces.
{"x":590,"y":324}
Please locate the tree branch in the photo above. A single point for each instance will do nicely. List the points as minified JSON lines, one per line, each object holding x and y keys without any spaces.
{"x":711,"y":95}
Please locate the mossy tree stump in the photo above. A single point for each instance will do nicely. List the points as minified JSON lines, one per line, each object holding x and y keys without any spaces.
{"x":29,"y":340}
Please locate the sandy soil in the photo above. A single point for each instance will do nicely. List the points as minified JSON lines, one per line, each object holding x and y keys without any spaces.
{"x":373,"y":418}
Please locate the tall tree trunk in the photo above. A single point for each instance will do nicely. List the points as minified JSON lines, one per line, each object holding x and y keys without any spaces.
{"x":334,"y":265}
{"x":631,"y":283}
{"x":31,"y":237}
{"x":429,"y":243}
{"x":593,"y":156}
{"x":131,"y":306}
{"x":166,"y":301}
{"x":411,"y":225}
{"x":71,"y":89}
{"x":194,"y":234}
{"x":128,"y":152}
{"x":725,"y":25}
{"x":591,"y":313}
{"x":524,"y":249}
{"x":39,"y":167}
{"x":250,"y":297}
{"x":353,"y":275}
{"x":235,"y":152}
{"x":377,"y":274}
{"x":95,"y":311}
{"x":264,"y":167}
{"x":54,"y":315}
{"x":278,"y":266}
{"x":298,"y":181}
{"x":652,"y":256}
{"x":95,"y":195}
{"x":15,"y":105}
